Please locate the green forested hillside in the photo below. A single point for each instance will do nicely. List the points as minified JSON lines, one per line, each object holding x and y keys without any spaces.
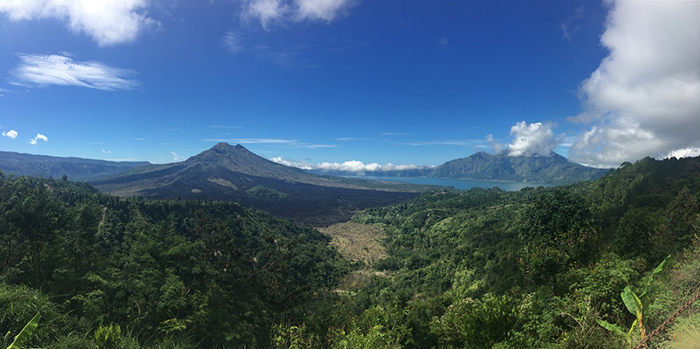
{"x":484,"y":268}
{"x":536,"y":268}
{"x":206,"y":274}
{"x":554,"y":169}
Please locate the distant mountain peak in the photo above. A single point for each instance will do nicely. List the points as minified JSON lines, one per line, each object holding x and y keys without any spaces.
{"x":223,"y":146}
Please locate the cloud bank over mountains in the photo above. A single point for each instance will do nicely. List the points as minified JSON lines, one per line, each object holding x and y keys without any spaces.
{"x":353,"y":166}
{"x":644,"y":98}
{"x":533,"y":139}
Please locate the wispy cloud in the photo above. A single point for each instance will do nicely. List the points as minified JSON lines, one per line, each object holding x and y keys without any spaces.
{"x":269,"y":12}
{"x":38,"y":137}
{"x":175,"y":157}
{"x":447,"y":142}
{"x":353,"y":166}
{"x":252,"y":140}
{"x":349,"y":139}
{"x":223,"y":126}
{"x":394,"y":134}
{"x":105,"y":151}
{"x":232,"y":42}
{"x":46,"y":70}
{"x":293,"y":143}
{"x":10,"y":134}
{"x":568,"y":26}
{"x":108,"y":22}
{"x":139,"y":139}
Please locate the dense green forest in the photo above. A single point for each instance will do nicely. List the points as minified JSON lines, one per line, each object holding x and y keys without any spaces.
{"x":564,"y":267}
{"x":168,"y":273}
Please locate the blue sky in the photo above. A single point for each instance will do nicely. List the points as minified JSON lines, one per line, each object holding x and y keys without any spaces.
{"x":402,"y":82}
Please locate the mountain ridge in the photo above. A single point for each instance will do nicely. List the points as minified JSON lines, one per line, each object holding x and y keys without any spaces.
{"x":74,"y":168}
{"x":233,"y":173}
{"x":552,"y":169}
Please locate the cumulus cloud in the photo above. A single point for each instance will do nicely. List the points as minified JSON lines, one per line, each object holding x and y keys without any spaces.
{"x":38,"y":137}
{"x":532,"y":139}
{"x":46,"y":70}
{"x":644,"y":98}
{"x":271,"y":11}
{"x":10,"y":134}
{"x":353,"y":166}
{"x":108,"y":22}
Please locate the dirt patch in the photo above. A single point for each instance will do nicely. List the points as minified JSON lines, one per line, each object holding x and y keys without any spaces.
{"x":222,"y":182}
{"x":357,"y":242}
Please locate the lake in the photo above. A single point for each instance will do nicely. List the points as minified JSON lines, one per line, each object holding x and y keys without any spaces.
{"x":459,"y":183}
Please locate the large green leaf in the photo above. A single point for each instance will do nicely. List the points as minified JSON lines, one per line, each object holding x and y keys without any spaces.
{"x":631,"y":300}
{"x":657,"y":270}
{"x":612,"y":327}
{"x":26,"y":332}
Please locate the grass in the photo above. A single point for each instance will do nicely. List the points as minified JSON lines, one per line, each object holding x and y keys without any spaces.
{"x":357,"y":242}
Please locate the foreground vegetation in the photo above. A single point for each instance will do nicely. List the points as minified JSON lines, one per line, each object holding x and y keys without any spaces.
{"x":165,"y":273}
{"x":484,"y":268}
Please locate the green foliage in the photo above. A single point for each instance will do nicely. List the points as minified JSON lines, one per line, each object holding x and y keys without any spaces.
{"x":23,"y":336}
{"x":459,"y":271}
{"x":266,"y":192}
{"x":637,"y":305}
{"x":108,"y":337}
{"x":557,"y":234}
{"x":215,"y":274}
{"x":476,"y":323}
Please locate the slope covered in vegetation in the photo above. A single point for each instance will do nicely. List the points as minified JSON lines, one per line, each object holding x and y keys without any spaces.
{"x":210,"y":274}
{"x":484,"y":268}
{"x":539,"y":268}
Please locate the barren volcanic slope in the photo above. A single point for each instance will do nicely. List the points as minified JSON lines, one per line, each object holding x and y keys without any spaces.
{"x":227,"y":172}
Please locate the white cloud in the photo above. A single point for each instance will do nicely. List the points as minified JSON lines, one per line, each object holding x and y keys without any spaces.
{"x":38,"y":137}
{"x":45,"y":70}
{"x":11,"y":134}
{"x":644,"y":98}
{"x":353,"y":166}
{"x":175,"y":157}
{"x":272,"y":11}
{"x":108,"y":22}
{"x":105,"y":151}
{"x":496,"y":146}
{"x":289,"y":142}
{"x":533,"y":139}
{"x":684,"y":153}
{"x":325,"y":10}
{"x":232,"y":42}
{"x":447,"y":142}
{"x":252,"y":140}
